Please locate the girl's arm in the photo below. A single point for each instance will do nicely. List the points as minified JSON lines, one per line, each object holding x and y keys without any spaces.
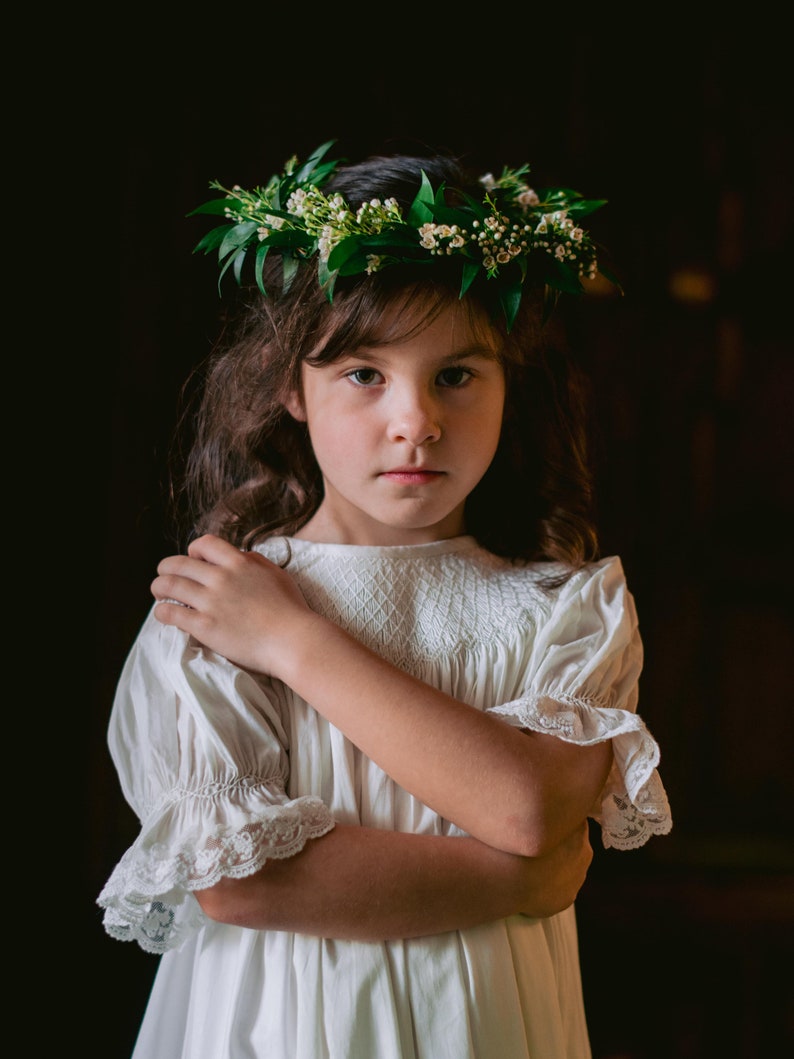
{"x":366,"y":885}
{"x":521,"y":792}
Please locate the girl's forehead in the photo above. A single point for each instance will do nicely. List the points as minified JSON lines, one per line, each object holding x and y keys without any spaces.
{"x":373,"y":318}
{"x":444,"y":321}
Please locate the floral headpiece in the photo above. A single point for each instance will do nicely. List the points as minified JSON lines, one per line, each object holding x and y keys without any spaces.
{"x":494,"y":238}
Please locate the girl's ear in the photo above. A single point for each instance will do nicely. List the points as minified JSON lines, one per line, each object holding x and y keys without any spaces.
{"x":294,"y":406}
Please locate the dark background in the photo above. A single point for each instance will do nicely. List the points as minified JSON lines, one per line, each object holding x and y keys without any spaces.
{"x":686,"y":944}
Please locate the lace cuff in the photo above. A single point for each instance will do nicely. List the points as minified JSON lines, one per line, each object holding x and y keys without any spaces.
{"x":633,"y":804}
{"x":148,"y":897}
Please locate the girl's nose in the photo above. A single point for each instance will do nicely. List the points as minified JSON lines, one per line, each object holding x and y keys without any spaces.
{"x":415,"y":418}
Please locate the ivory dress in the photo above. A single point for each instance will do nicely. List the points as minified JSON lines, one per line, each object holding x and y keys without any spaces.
{"x":226,"y":770}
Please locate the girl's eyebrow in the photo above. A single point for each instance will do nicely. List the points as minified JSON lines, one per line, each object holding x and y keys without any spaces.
{"x":474,"y":350}
{"x":372,"y":353}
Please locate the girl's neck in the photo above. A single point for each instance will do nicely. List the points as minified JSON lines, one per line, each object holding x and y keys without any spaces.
{"x":325,"y":528}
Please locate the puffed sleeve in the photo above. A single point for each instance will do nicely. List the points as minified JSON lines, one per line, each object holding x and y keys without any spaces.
{"x":201,"y":750}
{"x":582,"y":686}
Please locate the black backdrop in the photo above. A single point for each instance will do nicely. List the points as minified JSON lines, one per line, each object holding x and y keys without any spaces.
{"x":688,"y":136}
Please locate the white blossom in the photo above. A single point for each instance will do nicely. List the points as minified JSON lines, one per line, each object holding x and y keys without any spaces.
{"x":528,"y":198}
{"x":427,"y":236}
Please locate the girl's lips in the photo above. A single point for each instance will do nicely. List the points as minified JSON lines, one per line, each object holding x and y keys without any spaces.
{"x":411,"y":475}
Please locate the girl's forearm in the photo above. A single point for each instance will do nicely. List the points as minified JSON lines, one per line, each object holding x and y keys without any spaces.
{"x":368,"y":885}
{"x":516,"y":790}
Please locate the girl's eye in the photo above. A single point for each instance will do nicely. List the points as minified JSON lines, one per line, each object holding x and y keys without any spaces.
{"x":364,"y":376}
{"x":453,"y":377}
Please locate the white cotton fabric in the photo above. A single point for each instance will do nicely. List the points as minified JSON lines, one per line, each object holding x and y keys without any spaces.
{"x":226,"y":770}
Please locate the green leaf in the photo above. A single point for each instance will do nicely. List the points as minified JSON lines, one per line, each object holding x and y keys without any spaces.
{"x":237,"y":236}
{"x":237,"y":263}
{"x":345,"y":251}
{"x":231,"y":262}
{"x":479,"y":209}
{"x":213,"y":239}
{"x":352,"y":263}
{"x":393,"y":240}
{"x":510,"y":299}
{"x":470,"y":270}
{"x":274,"y":211}
{"x":452,"y":215}
{"x":562,"y":277}
{"x":289,"y":266}
{"x":553,"y":199}
{"x":215,"y":206}
{"x":259,"y":261}
{"x":290,"y":239}
{"x":308,"y":168}
{"x":584,"y":207}
{"x":327,"y":279}
{"x":398,"y":244}
{"x":421,"y":209}
{"x":556,"y":198}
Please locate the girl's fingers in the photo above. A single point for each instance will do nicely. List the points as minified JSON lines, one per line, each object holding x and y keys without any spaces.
{"x":221,"y":586}
{"x":175,"y":589}
{"x":211,"y":548}
{"x":171,"y":612}
{"x":187,"y":568}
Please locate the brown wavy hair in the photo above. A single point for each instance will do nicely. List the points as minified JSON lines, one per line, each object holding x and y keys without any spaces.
{"x":248,"y":470}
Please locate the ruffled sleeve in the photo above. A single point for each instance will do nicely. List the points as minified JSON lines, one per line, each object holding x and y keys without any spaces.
{"x":582,"y":686}
{"x":201,"y":749}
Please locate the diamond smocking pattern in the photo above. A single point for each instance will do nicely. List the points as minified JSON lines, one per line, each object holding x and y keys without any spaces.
{"x":418,"y":610}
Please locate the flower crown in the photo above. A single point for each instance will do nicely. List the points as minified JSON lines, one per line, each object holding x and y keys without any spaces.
{"x":493,"y":239}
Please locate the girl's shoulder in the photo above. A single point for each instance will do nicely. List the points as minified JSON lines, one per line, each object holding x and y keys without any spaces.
{"x":557,"y":577}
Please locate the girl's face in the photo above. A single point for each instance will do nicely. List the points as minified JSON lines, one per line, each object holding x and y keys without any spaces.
{"x":402,"y":433}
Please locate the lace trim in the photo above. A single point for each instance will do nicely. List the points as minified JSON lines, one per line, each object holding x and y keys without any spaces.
{"x":148,"y":897}
{"x":627,"y":825}
{"x":634,"y":804}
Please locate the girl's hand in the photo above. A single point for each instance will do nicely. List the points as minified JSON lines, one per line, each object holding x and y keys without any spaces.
{"x":554,"y":880}
{"x":238,"y":604}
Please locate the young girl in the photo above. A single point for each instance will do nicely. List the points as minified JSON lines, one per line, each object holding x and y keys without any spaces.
{"x":377,"y":700}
